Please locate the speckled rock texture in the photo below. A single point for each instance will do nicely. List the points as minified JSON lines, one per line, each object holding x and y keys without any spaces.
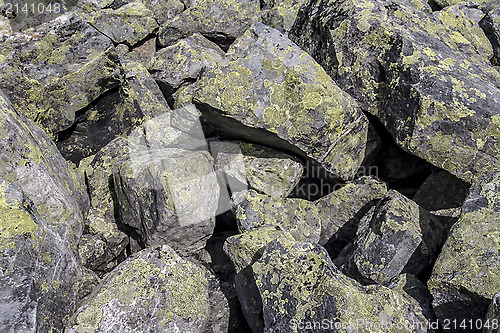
{"x":267,"y":83}
{"x":153,"y":291}
{"x":280,"y":14}
{"x":425,"y":81}
{"x":465,"y":275}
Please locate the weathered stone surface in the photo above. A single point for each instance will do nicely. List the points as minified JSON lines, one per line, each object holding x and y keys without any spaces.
{"x":299,"y":285}
{"x":269,"y":84}
{"x":164,"y":11}
{"x":182,"y":62}
{"x":493,"y":317}
{"x":297,"y":216}
{"x":425,"y":82}
{"x":341,"y":211}
{"x":465,"y":21}
{"x":280,"y":14}
{"x":219,"y":21}
{"x":128,"y":24}
{"x":57,"y":69}
{"x":465,"y":275}
{"x":153,"y":291}
{"x":483,"y":4}
{"x":19,"y":304}
{"x":396,"y":236}
{"x":491,"y":26}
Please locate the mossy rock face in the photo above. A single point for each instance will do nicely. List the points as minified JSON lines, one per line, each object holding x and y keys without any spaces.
{"x":465,"y":21}
{"x":396,"y":236}
{"x":280,"y":14}
{"x":493,"y":316}
{"x":182,"y":62}
{"x":341,"y":211}
{"x":115,"y":114}
{"x":491,"y":26}
{"x":128,"y":24}
{"x":40,"y":272}
{"x":153,"y":291}
{"x":58,"y":68}
{"x":299,"y":285}
{"x":297,"y":216}
{"x":31,"y":161}
{"x":269,"y":91}
{"x":391,"y":57}
{"x":465,"y":275}
{"x":219,"y":21}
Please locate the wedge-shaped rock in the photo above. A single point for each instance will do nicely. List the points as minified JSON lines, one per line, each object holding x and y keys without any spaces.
{"x":153,"y":291}
{"x":396,"y":236}
{"x":220,"y":21}
{"x":269,"y":91}
{"x":300,"y":286}
{"x":128,"y":24}
{"x":57,"y":69}
{"x":423,"y":79}
{"x":465,"y":276}
{"x":297,"y":216}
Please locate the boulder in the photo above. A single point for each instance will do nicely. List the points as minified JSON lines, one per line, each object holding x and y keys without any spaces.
{"x":280,"y":14}
{"x":396,"y":236}
{"x":301,"y":288}
{"x":128,"y":24}
{"x":164,"y":11}
{"x":297,"y":216}
{"x":153,"y":291}
{"x":220,"y":21}
{"x":491,"y":26}
{"x":269,"y":91}
{"x":58,"y":69}
{"x":465,"y":275}
{"x":411,"y":71}
{"x":341,"y":211}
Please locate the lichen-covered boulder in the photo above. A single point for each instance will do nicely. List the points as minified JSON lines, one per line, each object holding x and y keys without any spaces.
{"x":219,"y":21}
{"x":57,"y":69}
{"x":301,"y":287}
{"x":39,"y":272}
{"x":491,"y":26}
{"x":280,"y":14}
{"x":396,"y":236}
{"x":341,"y":211}
{"x":182,"y":62}
{"x":164,"y":11}
{"x":269,"y":91}
{"x":299,"y":217}
{"x":153,"y":291}
{"x":128,"y":24}
{"x":465,"y":275}
{"x":491,"y":322}
{"x":392,"y":57}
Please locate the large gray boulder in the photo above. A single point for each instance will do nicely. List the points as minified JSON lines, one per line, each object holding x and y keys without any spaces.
{"x":421,"y":78}
{"x":269,"y":91}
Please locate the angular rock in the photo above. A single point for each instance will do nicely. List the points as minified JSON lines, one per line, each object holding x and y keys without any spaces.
{"x":342,"y":210}
{"x":153,"y":291}
{"x":465,"y":275}
{"x":219,"y":21}
{"x":491,"y":26}
{"x":411,"y":71}
{"x":58,"y":69}
{"x":396,"y":236}
{"x":181,"y":63}
{"x":300,"y":286}
{"x":164,"y":11}
{"x":128,"y":24}
{"x":297,"y":216}
{"x":269,"y":91}
{"x":280,"y":14}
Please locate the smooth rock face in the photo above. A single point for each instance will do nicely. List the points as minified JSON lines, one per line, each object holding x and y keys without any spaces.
{"x":297,"y":216}
{"x":153,"y":291}
{"x":341,"y":211}
{"x":396,"y":236}
{"x":465,"y":275}
{"x":411,"y":71}
{"x":219,"y":21}
{"x":299,"y":285}
{"x":82,"y":66}
{"x":267,"y":83}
